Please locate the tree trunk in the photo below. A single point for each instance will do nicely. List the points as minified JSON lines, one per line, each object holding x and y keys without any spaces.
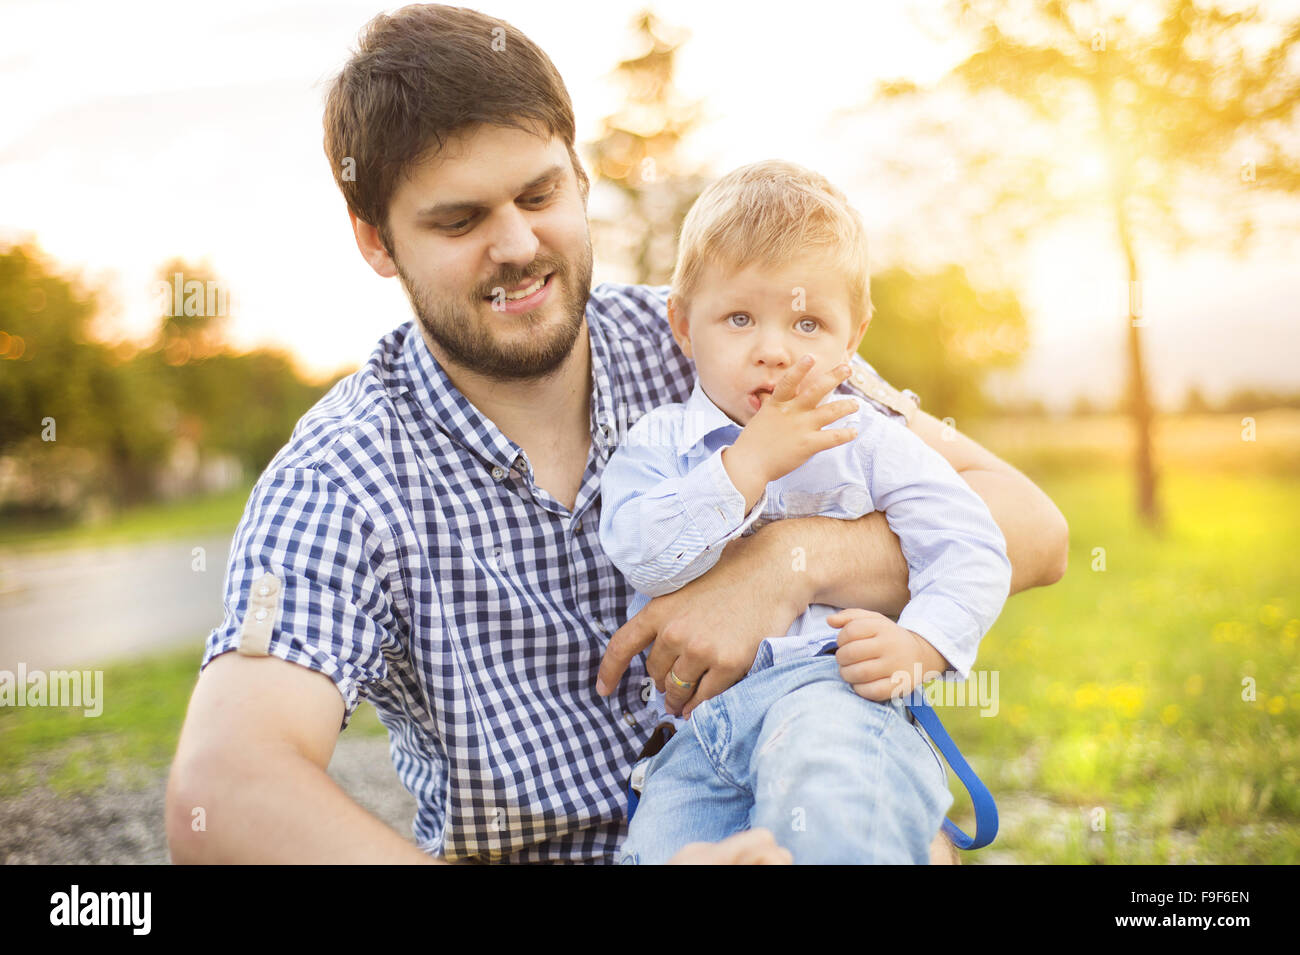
{"x":1148,"y":506}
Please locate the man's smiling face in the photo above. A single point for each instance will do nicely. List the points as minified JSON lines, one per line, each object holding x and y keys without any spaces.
{"x":490,"y":238}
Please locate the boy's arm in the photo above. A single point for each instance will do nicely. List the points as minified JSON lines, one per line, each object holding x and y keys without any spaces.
{"x":663,"y":528}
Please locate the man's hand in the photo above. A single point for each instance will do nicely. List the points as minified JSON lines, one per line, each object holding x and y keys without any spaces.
{"x":753,"y":847}
{"x":708,"y":632}
{"x":879,"y":658}
{"x":788,"y":428}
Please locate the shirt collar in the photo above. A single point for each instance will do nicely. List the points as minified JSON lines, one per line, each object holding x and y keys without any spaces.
{"x":604,"y":424}
{"x":703,"y":418}
{"x":444,"y":404}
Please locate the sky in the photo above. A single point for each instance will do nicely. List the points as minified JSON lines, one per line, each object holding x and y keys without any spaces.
{"x":134,"y":132}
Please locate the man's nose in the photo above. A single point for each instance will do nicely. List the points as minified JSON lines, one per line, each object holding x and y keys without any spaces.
{"x":513,"y":241}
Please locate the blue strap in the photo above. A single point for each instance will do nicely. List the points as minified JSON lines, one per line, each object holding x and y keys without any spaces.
{"x":986,"y":811}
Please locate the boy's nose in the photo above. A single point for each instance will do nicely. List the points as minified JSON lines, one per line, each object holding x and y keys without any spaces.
{"x":772,"y":352}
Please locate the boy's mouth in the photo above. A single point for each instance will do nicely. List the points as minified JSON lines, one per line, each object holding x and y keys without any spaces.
{"x":758,"y":394}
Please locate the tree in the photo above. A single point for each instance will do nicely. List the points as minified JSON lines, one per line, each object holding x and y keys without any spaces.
{"x":1186,"y":105}
{"x":942,"y":337}
{"x":637,"y":152}
{"x":79,"y":425}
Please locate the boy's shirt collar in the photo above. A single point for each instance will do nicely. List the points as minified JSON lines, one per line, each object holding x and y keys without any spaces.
{"x":702,"y":418}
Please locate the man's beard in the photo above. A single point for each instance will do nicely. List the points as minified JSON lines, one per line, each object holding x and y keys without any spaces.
{"x":459,"y":331}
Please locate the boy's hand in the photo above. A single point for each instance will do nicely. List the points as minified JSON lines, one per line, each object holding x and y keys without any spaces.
{"x":879,"y":658}
{"x":788,"y":429}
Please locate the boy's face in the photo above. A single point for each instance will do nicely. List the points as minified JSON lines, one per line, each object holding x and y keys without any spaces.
{"x":746,"y":328}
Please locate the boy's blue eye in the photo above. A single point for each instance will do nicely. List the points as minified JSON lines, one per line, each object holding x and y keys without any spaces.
{"x":811,"y":321}
{"x":737,"y":315}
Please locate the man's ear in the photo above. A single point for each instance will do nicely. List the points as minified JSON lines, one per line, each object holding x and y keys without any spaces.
{"x":372,"y":247}
{"x":681,"y":327}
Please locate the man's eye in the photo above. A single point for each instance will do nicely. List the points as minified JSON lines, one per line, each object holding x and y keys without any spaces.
{"x":741,"y":315}
{"x":541,"y":200}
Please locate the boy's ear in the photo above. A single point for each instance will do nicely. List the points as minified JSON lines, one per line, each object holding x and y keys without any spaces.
{"x":680,"y":326}
{"x":856,"y":342}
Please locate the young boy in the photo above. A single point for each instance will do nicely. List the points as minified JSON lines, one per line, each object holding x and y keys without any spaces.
{"x":770,"y":298}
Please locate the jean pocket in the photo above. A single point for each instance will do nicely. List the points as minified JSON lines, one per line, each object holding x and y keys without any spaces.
{"x":925,"y":738}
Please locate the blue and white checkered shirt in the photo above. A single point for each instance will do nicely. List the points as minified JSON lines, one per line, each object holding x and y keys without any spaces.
{"x":399,"y":545}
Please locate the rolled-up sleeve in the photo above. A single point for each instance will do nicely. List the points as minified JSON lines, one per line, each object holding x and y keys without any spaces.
{"x":663,"y":526}
{"x":308,"y":582}
{"x":959,"y":575}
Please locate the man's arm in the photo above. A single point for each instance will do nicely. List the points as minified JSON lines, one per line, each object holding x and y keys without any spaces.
{"x":861,"y":565}
{"x":252,"y":755}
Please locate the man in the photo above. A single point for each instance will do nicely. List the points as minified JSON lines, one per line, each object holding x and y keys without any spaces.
{"x":427,"y":539}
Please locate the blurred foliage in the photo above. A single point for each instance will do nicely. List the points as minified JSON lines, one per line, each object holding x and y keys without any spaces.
{"x":637,"y":152}
{"x":1150,"y":112}
{"x":85,"y":424}
{"x":940,"y":337}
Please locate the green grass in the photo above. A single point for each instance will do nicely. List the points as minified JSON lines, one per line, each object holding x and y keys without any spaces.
{"x":1122,"y":735}
{"x":1120,"y":691}
{"x":183,"y":518}
{"x":129,"y":744}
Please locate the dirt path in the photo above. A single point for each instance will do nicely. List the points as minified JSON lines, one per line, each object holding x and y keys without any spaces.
{"x":115,"y":826}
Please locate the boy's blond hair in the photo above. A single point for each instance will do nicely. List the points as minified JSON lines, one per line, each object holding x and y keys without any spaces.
{"x":767,"y":213}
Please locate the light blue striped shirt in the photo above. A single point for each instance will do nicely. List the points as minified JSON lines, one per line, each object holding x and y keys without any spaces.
{"x":668,"y":508}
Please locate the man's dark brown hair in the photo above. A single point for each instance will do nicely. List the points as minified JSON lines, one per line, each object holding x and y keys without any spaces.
{"x":421,"y":75}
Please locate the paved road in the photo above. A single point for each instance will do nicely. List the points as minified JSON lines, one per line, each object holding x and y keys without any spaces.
{"x":88,"y":607}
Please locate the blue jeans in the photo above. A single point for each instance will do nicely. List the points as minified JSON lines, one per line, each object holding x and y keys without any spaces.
{"x":835,"y":777}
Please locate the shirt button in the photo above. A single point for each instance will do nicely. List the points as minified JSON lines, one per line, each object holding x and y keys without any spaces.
{"x":498,"y":472}
{"x":629,"y":718}
{"x":577,"y":525}
{"x":260,"y":615}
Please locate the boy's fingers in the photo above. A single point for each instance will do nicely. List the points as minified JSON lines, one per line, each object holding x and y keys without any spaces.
{"x":840,"y":617}
{"x":788,"y":386}
{"x":865,"y":672}
{"x":835,"y":437}
{"x":824,"y":385}
{"x":878,"y":690}
{"x":855,"y":651}
{"x":834,"y":411}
